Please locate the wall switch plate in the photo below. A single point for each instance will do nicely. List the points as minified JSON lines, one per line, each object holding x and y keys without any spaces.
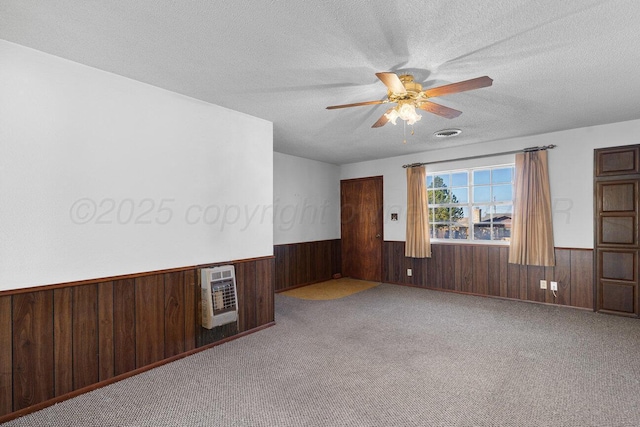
{"x":409,"y":272}
{"x":554,"y":286}
{"x":543,"y":284}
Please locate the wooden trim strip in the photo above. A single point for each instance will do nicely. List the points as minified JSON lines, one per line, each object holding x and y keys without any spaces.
{"x":126,"y":276}
{"x":573,"y":249}
{"x":310,"y":241}
{"x":67,"y":396}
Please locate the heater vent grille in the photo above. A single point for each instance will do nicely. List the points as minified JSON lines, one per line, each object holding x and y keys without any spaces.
{"x":219,"y":296}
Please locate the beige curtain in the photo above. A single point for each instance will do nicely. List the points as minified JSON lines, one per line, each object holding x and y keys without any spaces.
{"x":418,"y":243}
{"x":531,"y":228}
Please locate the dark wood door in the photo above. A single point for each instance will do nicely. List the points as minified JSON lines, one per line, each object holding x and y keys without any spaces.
{"x":361,"y":228}
{"x":617,"y":179}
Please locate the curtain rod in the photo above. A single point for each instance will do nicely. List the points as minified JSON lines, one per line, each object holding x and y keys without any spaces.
{"x":524,"y":150}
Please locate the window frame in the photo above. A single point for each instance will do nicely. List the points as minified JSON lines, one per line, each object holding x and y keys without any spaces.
{"x":469,"y":205}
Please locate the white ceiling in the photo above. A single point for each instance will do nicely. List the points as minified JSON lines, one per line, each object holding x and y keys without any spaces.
{"x":556,"y":64}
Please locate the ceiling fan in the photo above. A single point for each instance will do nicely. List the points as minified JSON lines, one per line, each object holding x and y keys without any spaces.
{"x":408,"y":94}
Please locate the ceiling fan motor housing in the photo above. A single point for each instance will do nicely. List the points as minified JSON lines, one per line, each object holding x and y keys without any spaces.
{"x":409,"y":84}
{"x":413,"y":90}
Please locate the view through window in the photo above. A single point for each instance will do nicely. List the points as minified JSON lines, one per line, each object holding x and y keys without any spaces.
{"x":471,"y":204}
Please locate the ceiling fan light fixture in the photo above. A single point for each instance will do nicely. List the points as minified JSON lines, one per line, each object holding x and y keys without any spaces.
{"x":406,"y":112}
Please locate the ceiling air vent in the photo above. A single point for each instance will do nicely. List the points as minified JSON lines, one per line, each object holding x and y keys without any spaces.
{"x":447,"y":133}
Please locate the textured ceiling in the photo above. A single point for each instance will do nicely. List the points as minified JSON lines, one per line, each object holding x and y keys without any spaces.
{"x":556,"y":64}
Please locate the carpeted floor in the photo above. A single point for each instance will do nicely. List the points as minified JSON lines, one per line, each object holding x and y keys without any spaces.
{"x":331,"y":289}
{"x":389,"y":356}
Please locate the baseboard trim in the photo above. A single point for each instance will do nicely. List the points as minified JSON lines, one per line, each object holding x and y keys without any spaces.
{"x":452,"y":291}
{"x":75,"y":393}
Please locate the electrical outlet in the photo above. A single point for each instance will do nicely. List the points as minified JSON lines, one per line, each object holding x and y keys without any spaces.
{"x":554,"y":286}
{"x":543,"y":284}
{"x":409,"y":272}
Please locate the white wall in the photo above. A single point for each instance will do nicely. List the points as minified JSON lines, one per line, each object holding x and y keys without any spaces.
{"x":102,"y":175}
{"x":570,"y":170}
{"x":306,"y":196}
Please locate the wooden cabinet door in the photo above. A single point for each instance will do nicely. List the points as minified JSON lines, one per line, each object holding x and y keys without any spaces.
{"x":617,"y":179}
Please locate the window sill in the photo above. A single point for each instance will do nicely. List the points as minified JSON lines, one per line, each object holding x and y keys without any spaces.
{"x":471,"y":242}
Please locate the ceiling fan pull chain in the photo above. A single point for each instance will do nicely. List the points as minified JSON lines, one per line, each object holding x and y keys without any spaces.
{"x":404,"y":131}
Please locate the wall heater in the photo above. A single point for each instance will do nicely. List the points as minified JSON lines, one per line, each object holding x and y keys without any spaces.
{"x":219,"y":296}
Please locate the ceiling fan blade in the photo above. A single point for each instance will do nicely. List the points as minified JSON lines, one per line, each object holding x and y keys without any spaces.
{"x":392,"y":82}
{"x":357,"y":104}
{"x":476,"y":83}
{"x":382,"y":120}
{"x":440,"y":110}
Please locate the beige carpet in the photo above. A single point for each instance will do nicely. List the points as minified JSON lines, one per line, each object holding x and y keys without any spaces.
{"x":331,"y":289}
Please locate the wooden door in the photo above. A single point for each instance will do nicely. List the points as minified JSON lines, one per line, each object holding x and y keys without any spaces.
{"x":361,"y":218}
{"x":617,"y":179}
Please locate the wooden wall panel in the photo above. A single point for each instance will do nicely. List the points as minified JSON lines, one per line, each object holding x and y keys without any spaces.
{"x":321,"y":255}
{"x":6,"y":363}
{"x":562,"y":275}
{"x":480,"y":270}
{"x":33,"y":373}
{"x":513,"y":281}
{"x":336,"y":246}
{"x":429,"y":273}
{"x":485,"y":270}
{"x":303,"y":262}
{"x":281,"y":268}
{"x":192,"y":293}
{"x":124,"y":325}
{"x":466,"y":266}
{"x":448,"y":267}
{"x":299,"y":264}
{"x":493,"y":273}
{"x":418,"y":272}
{"x":291,"y":258}
{"x":504,"y":272}
{"x":174,"y":309}
{"x":524,"y":282}
{"x":63,"y":340}
{"x":549,"y":275}
{"x":246,"y":288}
{"x":394,"y":256}
{"x":85,"y":336}
{"x":458,"y":276}
{"x":149,"y":319}
{"x":399,"y":267}
{"x":582,"y":278}
{"x":406,"y":263}
{"x":264,"y":292}
{"x":106,"y":356}
{"x":535,"y":273}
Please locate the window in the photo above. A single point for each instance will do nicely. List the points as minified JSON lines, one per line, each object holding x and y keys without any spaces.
{"x":471,"y":204}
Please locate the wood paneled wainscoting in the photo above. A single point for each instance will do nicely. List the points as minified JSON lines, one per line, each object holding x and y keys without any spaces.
{"x":484,"y":270}
{"x":60,"y":340}
{"x":299,"y":264}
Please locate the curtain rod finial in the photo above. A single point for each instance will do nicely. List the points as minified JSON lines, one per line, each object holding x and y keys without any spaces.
{"x":413,"y":165}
